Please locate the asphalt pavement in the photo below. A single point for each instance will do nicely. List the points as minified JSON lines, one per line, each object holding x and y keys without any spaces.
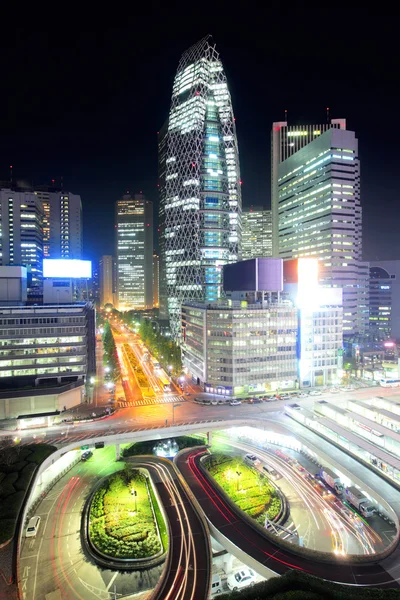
{"x":258,"y":547}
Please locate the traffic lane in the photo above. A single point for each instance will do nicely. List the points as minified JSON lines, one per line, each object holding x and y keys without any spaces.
{"x":190,"y":410}
{"x":182,"y":564}
{"x":256,"y":545}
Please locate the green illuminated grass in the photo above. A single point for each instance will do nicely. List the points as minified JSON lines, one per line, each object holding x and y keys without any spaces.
{"x":121,"y":525}
{"x":248,"y":489}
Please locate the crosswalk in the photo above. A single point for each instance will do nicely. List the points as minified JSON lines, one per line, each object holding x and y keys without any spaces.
{"x":165,"y":399}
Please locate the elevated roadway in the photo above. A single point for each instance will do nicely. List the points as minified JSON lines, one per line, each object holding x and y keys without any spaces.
{"x":267,"y":554}
{"x":55,"y":561}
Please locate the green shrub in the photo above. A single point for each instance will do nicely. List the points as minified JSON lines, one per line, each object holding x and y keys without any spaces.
{"x":115,"y":527}
{"x":250,"y":491}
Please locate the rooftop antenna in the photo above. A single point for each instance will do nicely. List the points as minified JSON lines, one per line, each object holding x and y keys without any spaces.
{"x":11,"y":174}
{"x":62,"y":182}
{"x":327,"y":113}
{"x":285,"y":115}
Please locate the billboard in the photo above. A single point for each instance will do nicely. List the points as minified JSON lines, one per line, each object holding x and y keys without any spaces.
{"x":254,"y":274}
{"x":65,"y":268}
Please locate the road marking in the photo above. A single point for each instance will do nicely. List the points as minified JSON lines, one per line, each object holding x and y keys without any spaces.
{"x":41,"y":542}
{"x":113,"y":578}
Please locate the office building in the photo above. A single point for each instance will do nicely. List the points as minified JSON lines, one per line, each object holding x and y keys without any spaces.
{"x":316,"y":209}
{"x":245,"y":344}
{"x":47,"y":342}
{"x":384,"y":298}
{"x":162,"y":271}
{"x":21,"y":234}
{"x":236,"y":349}
{"x":156,"y":274}
{"x":106,"y":280}
{"x":200,"y":196}
{"x":46,"y":354}
{"x":320,"y":335}
{"x":13,"y":285}
{"x":256,"y":232}
{"x":62,"y":223}
{"x":134,"y":252}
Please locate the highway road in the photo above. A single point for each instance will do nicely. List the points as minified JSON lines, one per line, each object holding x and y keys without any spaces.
{"x":55,"y":559}
{"x":257,"y":546}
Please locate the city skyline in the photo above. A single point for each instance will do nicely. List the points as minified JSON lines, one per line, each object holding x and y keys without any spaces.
{"x":90,"y":168}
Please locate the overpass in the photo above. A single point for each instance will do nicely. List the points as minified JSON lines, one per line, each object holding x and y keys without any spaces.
{"x":273,"y":559}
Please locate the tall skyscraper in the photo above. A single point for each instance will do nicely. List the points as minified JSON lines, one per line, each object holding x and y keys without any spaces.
{"x":256,"y":233}
{"x":106,"y":280}
{"x":62,"y":223}
{"x":134,"y":252}
{"x":316,"y":209}
{"x":200,"y":196}
{"x":156,"y":272}
{"x":21,"y":234}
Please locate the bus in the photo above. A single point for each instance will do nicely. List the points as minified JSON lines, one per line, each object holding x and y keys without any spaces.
{"x":390,"y":383}
{"x":165,"y":382}
{"x":156,"y":364}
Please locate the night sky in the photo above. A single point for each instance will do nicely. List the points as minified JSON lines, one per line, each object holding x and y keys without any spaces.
{"x":82,"y":96}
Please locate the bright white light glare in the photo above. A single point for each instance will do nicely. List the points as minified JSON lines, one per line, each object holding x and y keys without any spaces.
{"x":62,"y":268}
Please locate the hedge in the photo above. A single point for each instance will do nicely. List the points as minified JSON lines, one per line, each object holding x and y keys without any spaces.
{"x":116,"y":528}
{"x":17,"y":467}
{"x":260,"y":499}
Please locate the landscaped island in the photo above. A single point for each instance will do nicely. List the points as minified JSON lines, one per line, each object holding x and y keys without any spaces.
{"x":125,"y":520}
{"x":246,"y":487}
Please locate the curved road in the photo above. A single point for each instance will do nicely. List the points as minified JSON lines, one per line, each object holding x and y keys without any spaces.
{"x":55,"y":560}
{"x":189,"y":571}
{"x":252,"y":542}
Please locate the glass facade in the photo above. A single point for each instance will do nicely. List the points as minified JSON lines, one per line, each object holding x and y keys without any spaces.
{"x":200,"y":196}
{"x":21,"y":239}
{"x":317,"y":211}
{"x":134,"y":252}
{"x":256,"y":233}
{"x":239,"y":348}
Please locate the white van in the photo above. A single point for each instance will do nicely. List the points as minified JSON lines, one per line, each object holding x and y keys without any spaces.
{"x":216,"y":585}
{"x":33,"y":527}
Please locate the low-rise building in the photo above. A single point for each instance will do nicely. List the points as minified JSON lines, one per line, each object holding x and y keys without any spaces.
{"x":236,"y":349}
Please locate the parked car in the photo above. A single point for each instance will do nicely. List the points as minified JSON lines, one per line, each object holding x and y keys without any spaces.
{"x":240,"y":579}
{"x":254,"y":400}
{"x":235,"y":402}
{"x":315,"y":393}
{"x":216,"y":585}
{"x":302,"y":395}
{"x":87,"y":454}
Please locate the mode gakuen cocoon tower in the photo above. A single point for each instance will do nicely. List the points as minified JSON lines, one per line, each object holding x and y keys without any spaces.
{"x":200,"y":198}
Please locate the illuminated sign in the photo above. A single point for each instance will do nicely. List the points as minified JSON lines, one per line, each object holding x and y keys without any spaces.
{"x":307,"y":276}
{"x":67,"y":268}
{"x":388,"y":344}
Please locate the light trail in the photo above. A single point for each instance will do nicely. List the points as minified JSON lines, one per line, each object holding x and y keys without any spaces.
{"x":340,"y":527}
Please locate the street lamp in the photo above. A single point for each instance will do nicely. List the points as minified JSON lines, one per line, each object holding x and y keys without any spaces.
{"x":92,"y":380}
{"x":238,"y":473}
{"x":134,"y":493}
